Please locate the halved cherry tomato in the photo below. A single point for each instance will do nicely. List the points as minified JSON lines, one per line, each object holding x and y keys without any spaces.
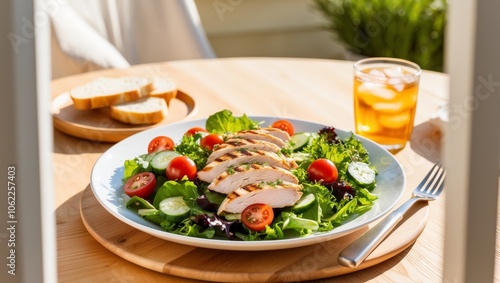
{"x":142,"y":185}
{"x":209,"y":141}
{"x":322,"y":170}
{"x":160,"y":143}
{"x":181,"y":166}
{"x":257,"y":216}
{"x":284,"y":125}
{"x":195,"y":130}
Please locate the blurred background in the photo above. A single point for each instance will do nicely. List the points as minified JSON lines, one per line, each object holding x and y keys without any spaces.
{"x":335,"y":29}
{"x":276,"y":28}
{"x":119,"y":33}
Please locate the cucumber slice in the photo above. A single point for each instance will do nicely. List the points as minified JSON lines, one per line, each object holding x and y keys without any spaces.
{"x":175,"y":209}
{"x":300,"y":157}
{"x":149,"y":157}
{"x":300,"y":140}
{"x":160,"y":161}
{"x":361,"y":174}
{"x":304,"y":204}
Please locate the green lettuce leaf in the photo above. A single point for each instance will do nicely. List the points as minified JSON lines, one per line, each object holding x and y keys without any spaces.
{"x":190,"y":147}
{"x":224,"y":122}
{"x":186,"y":189}
{"x":136,"y":203}
{"x":348,"y":209}
{"x":188,"y":228}
{"x":326,"y":201}
{"x":292,"y":221}
{"x":135,"y":166}
{"x":342,"y":153}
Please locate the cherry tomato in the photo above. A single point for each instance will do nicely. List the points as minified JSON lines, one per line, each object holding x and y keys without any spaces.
{"x":209,"y":141}
{"x":257,"y":216}
{"x":284,"y":125}
{"x":141,"y":185}
{"x":195,"y":130}
{"x":160,"y":143}
{"x":322,"y":170}
{"x":181,"y":166}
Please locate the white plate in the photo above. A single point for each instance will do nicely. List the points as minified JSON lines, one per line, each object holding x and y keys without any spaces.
{"x":107,"y":187}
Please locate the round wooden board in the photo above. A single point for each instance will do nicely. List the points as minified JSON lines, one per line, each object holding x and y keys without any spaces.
{"x":298,"y":264}
{"x":97,"y":124}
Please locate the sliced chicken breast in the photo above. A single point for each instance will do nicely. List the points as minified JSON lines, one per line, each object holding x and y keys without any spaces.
{"x":260,"y":134}
{"x":276,"y":195}
{"x":239,"y":144}
{"x":282,"y":135}
{"x":237,"y":157}
{"x":246,"y":174}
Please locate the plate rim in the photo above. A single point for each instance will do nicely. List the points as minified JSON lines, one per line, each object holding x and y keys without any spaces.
{"x":261,"y":245}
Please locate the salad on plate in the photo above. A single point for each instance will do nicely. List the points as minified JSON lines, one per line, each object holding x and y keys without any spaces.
{"x":240,"y":179}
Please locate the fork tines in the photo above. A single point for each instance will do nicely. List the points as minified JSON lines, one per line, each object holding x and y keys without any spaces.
{"x":433,"y":182}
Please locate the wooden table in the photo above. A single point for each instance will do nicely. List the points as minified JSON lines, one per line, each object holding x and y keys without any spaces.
{"x":309,"y":89}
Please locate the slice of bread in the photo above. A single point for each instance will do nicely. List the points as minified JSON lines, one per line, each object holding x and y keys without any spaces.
{"x":104,"y":91}
{"x":164,"y":88}
{"x":148,"y":110}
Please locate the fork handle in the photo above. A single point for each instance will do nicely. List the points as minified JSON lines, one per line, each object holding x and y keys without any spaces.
{"x":357,"y":251}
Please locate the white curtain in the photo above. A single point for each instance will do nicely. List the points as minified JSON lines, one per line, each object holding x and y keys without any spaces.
{"x":95,"y":34}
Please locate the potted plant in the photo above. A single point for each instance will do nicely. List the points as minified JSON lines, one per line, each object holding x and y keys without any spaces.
{"x":407,"y":29}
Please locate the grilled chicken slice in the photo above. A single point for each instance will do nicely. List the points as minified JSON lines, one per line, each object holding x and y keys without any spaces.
{"x":282,"y":135}
{"x":246,"y":174}
{"x":260,"y":134}
{"x":239,"y":144}
{"x":276,"y":195}
{"x":237,"y":157}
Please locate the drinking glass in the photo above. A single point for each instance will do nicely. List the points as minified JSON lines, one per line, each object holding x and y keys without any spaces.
{"x":385,"y":100}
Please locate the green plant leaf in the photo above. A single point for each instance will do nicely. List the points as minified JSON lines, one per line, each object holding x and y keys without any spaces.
{"x":412,"y":30}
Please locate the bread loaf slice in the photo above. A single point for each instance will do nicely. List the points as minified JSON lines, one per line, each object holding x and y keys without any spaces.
{"x":148,"y":110}
{"x":105,"y":91}
{"x":165,"y":88}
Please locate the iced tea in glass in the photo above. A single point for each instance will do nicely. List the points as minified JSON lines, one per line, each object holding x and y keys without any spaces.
{"x":385,"y":100}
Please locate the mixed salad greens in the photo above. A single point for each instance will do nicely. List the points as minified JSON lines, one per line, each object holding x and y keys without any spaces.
{"x":165,"y":190}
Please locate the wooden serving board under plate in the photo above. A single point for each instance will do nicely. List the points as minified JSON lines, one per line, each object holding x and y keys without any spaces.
{"x":97,"y":124}
{"x":289,"y":265}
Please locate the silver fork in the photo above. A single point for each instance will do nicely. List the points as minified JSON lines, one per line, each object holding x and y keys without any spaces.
{"x":429,"y":189}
